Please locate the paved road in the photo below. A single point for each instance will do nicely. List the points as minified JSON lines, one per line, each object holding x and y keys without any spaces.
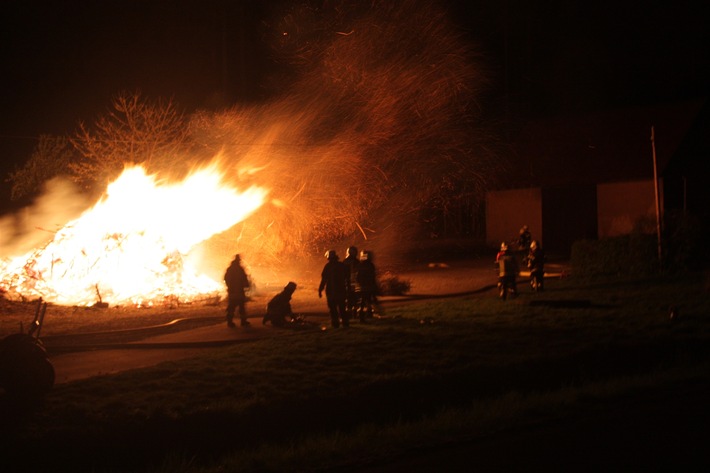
{"x":104,"y":359}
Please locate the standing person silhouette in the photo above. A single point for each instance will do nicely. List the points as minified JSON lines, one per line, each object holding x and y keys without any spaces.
{"x":353,"y":298}
{"x":367,"y":278}
{"x":507,"y":272}
{"x":335,"y":281}
{"x":536,"y":265}
{"x":524,"y":239}
{"x":236,"y":280}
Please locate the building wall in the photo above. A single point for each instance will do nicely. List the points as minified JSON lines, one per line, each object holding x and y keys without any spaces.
{"x":508,"y":210}
{"x":559,"y":216}
{"x":569,"y":214}
{"x":626,"y":206}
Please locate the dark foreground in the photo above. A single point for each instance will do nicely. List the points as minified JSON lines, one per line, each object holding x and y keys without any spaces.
{"x":655,"y":423}
{"x":660,"y":429}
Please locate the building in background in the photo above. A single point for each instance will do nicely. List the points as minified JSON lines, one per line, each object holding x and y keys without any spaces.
{"x":592,"y":176}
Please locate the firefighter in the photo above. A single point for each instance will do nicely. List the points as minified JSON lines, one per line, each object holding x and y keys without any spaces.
{"x":336,"y":282}
{"x":353,"y":297}
{"x":237,"y":281}
{"x":536,"y":264}
{"x":507,"y":271}
{"x":367,"y":279}
{"x":278,"y":310}
{"x":524,"y":239}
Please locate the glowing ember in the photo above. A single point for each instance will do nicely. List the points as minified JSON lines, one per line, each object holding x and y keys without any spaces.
{"x":130,"y":247}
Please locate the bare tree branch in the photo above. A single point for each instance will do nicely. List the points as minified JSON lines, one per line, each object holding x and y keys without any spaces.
{"x":51,"y":158}
{"x":134,"y":131}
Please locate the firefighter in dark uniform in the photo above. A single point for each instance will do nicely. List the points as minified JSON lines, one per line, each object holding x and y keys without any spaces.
{"x":536,"y":263}
{"x":236,"y":280}
{"x":335,"y":280}
{"x":524,"y":239}
{"x":507,"y":271}
{"x":353,"y":298}
{"x":278,"y":310}
{"x":367,"y":279}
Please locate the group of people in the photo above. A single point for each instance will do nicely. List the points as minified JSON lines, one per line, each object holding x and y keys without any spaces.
{"x":278,"y":310}
{"x":508,"y":267}
{"x":350,"y":286}
{"x":350,"y":289}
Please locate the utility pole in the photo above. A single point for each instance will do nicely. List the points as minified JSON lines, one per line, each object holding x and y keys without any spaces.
{"x":658,"y":200}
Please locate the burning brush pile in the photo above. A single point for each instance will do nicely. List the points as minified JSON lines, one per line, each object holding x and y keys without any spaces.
{"x":374,"y":118}
{"x":133,"y":247}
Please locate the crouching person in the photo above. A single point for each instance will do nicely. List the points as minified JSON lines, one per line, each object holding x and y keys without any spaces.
{"x":278,"y":310}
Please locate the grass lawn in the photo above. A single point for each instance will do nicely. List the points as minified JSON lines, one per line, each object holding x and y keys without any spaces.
{"x":431,"y":374}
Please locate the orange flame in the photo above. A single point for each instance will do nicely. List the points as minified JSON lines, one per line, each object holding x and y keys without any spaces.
{"x":130,"y":247}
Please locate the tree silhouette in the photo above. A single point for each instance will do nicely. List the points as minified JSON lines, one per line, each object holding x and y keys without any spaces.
{"x":134,"y":131}
{"x":51,"y":158}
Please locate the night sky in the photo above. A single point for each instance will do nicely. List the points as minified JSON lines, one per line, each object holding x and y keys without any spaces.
{"x":62,"y":63}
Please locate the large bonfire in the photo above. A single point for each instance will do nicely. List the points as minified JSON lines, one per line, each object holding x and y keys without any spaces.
{"x":134,"y":245}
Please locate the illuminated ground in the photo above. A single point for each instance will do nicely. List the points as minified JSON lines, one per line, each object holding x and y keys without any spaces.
{"x":79,"y":355}
{"x":90,"y":342}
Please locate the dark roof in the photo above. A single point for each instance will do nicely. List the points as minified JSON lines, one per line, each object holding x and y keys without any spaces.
{"x":608,"y":146}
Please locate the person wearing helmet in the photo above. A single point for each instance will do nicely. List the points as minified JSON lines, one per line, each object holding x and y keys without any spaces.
{"x":367,"y":280}
{"x":335,"y":281}
{"x":507,"y":271}
{"x":524,"y":239}
{"x":278,"y":310}
{"x":236,"y":280}
{"x":536,"y":265}
{"x":501,"y":252}
{"x":353,"y":297}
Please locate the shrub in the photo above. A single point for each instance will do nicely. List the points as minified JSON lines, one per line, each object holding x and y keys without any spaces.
{"x":391,"y":285}
{"x":634,"y":254}
{"x":684,"y":245}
